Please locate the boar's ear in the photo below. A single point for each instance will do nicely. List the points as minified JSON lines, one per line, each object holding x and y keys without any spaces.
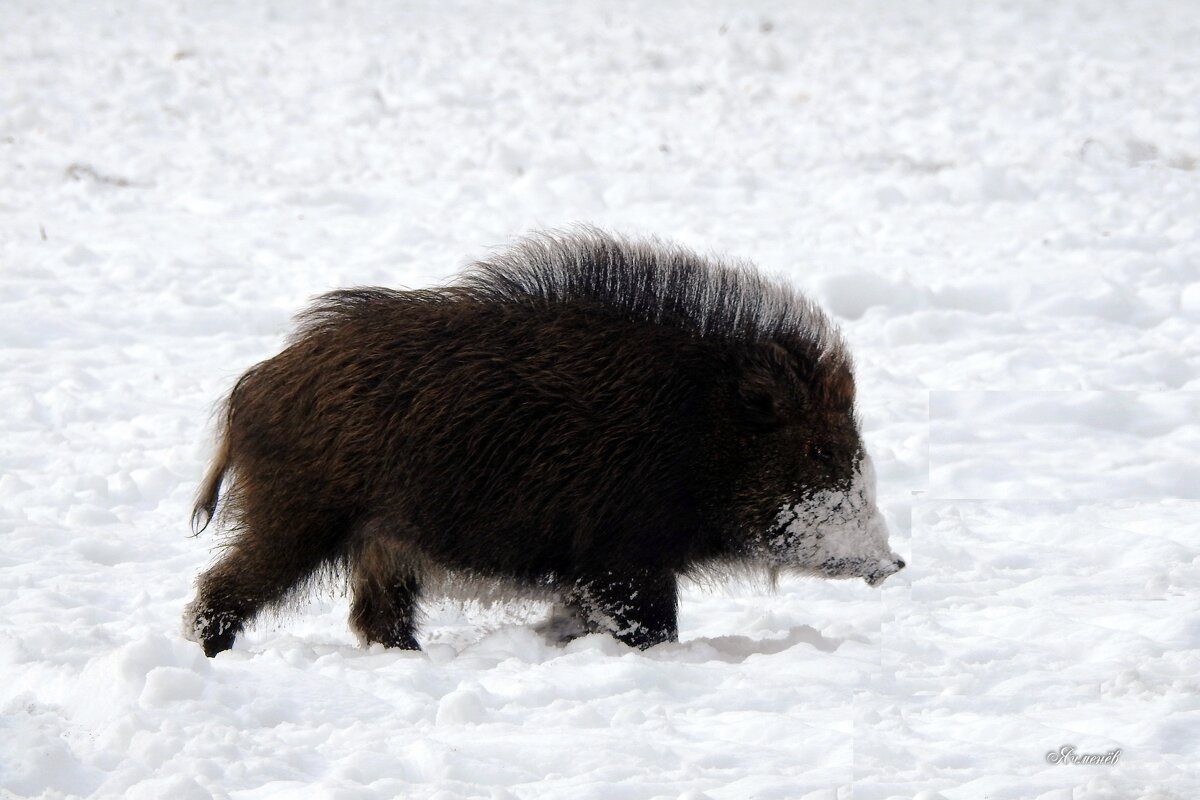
{"x":768,"y":389}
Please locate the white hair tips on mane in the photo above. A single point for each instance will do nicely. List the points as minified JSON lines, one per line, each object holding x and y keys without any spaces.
{"x":658,"y":282}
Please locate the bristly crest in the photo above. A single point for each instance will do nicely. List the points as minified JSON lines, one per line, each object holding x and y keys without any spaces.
{"x":667,"y":284}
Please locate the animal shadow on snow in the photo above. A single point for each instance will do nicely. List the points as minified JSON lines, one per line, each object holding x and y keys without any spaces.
{"x":736,"y":649}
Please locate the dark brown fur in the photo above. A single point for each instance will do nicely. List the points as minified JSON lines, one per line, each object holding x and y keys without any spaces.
{"x":581,"y":415}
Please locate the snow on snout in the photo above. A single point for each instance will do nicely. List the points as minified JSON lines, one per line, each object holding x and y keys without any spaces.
{"x":838,"y":534}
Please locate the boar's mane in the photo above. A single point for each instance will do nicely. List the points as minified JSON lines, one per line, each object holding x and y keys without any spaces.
{"x":661,"y":283}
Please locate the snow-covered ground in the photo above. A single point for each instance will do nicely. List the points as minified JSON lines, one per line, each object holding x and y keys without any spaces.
{"x":1000,"y":202}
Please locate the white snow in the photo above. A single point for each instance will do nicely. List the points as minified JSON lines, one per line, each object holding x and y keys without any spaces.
{"x":1000,"y":202}
{"x":1086,"y":445}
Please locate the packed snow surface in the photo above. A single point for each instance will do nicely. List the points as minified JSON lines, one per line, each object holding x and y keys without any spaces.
{"x":999,"y":202}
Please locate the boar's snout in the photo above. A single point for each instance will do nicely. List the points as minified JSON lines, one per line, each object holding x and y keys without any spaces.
{"x":837,"y":534}
{"x":886,"y":568}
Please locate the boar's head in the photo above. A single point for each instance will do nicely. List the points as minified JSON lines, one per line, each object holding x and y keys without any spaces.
{"x":806,"y":497}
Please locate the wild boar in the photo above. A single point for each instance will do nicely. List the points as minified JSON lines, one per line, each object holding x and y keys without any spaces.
{"x":583,"y":417}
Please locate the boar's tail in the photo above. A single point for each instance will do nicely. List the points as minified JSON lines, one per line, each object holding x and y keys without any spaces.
{"x":210,"y":490}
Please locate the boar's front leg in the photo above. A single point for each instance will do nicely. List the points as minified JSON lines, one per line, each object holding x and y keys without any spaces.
{"x":638,"y":607}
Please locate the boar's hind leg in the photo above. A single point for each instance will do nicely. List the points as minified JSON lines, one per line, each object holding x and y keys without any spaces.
{"x":638,"y":608}
{"x":260,"y":567}
{"x":385,"y":592}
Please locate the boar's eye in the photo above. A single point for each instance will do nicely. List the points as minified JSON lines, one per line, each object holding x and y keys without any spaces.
{"x":821,"y":454}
